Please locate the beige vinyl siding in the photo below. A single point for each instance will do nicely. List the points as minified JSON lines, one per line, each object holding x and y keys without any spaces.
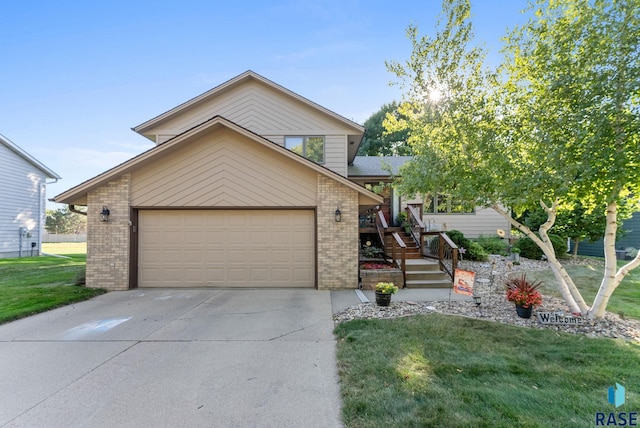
{"x":22,"y":192}
{"x":268,"y":113}
{"x":257,"y":107}
{"x":483,"y":222}
{"x":223,"y":169}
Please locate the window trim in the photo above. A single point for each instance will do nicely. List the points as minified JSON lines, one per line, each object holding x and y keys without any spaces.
{"x":305,"y":139}
{"x":431,"y":200}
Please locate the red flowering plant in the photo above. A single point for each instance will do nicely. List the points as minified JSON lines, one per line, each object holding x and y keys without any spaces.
{"x":374,"y":265}
{"x":523,"y":292}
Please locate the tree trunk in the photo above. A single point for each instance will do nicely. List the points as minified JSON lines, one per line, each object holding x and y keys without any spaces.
{"x":575,"y":246}
{"x":611,"y":279}
{"x":557,"y":268}
{"x":562,"y":278}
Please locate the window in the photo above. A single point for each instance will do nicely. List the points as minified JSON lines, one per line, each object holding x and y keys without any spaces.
{"x":445,"y":204}
{"x":311,"y":148}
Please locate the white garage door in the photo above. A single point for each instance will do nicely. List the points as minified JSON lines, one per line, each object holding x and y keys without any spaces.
{"x":230,"y":248}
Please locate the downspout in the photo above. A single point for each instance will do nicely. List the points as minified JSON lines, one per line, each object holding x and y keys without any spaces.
{"x":43,"y":215}
{"x":42,"y":189}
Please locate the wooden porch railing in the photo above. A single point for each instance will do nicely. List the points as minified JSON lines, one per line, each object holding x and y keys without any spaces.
{"x":397,"y":245}
{"x":417,"y":226}
{"x":381,"y":227}
{"x":437,"y":245}
{"x":434,"y":245}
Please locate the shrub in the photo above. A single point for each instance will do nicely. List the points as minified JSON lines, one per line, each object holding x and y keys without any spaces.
{"x":530,"y":250}
{"x":475,"y":252}
{"x":472,"y":250}
{"x":458,"y":238}
{"x":372,"y":252}
{"x":494,"y":244}
{"x":401,"y":218}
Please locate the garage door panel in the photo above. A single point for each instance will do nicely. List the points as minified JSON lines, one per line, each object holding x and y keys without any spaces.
{"x":230,"y":248}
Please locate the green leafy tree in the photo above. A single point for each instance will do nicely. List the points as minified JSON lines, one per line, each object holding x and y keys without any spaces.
{"x":380,"y":142}
{"x":64,"y":221}
{"x":559,"y":126}
{"x":576,"y":222}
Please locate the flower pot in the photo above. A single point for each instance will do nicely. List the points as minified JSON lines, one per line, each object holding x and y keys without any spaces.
{"x":383,"y":299}
{"x":524,"y":312}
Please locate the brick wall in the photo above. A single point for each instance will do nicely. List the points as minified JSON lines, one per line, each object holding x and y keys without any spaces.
{"x":337,"y":242}
{"x":108,"y":242}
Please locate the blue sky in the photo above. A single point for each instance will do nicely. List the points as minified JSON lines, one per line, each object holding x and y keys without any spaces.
{"x":76,"y":76}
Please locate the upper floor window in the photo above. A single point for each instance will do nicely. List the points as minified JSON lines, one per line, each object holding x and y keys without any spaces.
{"x":311,"y":148}
{"x":445,"y":204}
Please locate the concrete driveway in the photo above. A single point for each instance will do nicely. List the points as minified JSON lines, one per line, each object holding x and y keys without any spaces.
{"x":169,"y":358}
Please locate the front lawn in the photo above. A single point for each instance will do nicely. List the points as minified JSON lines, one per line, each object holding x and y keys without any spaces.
{"x":36,"y":284}
{"x":625,"y":300}
{"x":447,"y":371}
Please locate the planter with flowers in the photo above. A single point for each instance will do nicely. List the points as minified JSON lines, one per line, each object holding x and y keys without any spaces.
{"x":384,"y":290}
{"x":373,"y":272}
{"x":524,"y":294}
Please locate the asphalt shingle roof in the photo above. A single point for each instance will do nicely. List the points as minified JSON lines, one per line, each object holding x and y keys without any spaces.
{"x":376,"y":166}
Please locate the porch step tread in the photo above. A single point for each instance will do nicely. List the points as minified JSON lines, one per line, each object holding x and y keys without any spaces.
{"x":425,"y":283}
{"x":425,"y":272}
{"x":423,"y":262}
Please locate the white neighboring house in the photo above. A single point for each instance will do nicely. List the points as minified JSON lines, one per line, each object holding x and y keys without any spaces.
{"x":23,"y":181}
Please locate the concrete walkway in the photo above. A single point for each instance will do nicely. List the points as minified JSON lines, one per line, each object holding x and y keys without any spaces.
{"x":169,"y":358}
{"x":342,"y":299}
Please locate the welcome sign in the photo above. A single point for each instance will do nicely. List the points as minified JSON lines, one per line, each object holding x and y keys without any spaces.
{"x":559,"y":318}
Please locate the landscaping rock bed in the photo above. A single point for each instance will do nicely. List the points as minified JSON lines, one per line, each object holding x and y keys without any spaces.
{"x":496,"y":308}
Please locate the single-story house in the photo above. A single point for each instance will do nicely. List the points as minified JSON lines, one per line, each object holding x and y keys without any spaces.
{"x":249,"y":185}
{"x":23,"y":185}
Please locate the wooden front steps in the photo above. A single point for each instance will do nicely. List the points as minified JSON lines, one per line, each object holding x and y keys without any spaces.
{"x":425,"y":273}
{"x":412,"y":251}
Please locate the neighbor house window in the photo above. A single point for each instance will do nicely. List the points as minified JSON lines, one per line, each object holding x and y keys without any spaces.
{"x":445,"y":204}
{"x":311,"y":148}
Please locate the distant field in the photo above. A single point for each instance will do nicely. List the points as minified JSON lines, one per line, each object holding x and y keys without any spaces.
{"x":64,"y":248}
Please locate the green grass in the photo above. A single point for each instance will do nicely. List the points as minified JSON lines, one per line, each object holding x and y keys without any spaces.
{"x":624,"y":301}
{"x":64,"y":248}
{"x":31,"y":285}
{"x":447,"y":371}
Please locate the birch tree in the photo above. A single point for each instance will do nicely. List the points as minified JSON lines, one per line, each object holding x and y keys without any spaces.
{"x":557,"y":125}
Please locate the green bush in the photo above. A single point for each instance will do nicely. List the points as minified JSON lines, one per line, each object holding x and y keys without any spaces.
{"x":475,"y":252}
{"x":494,"y":244}
{"x":472,"y":250}
{"x":401,"y":218}
{"x":458,"y":238}
{"x":530,"y":250}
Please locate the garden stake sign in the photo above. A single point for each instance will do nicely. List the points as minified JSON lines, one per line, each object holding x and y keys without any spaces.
{"x":463,"y":282}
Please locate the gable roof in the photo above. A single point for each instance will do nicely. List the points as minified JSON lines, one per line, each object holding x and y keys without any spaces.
{"x":377,"y":166}
{"x":76,"y":193}
{"x":353,"y":145}
{"x":26,"y":156}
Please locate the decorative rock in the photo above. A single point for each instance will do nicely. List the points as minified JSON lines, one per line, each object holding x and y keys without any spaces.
{"x":496,"y":308}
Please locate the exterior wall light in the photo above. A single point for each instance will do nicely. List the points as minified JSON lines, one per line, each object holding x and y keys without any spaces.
{"x":338,"y":215}
{"x":104,"y":214}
